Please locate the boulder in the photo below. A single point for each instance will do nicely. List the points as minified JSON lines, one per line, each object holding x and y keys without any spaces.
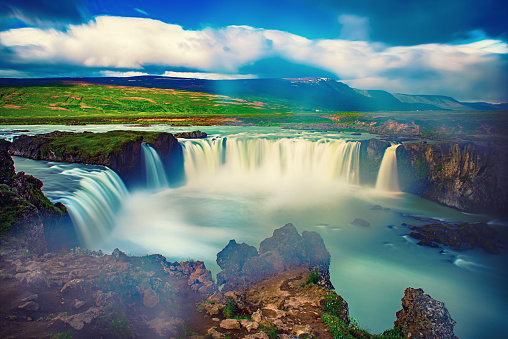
{"x":360,"y":222}
{"x":422,"y":316}
{"x":234,"y":256}
{"x":230,"y":324}
{"x":150,"y":298}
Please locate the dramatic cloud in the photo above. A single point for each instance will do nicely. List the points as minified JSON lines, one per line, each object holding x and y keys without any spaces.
{"x":43,"y":12}
{"x":468,"y":71}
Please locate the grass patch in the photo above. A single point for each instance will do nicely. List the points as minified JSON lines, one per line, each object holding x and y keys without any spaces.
{"x":341,"y":326}
{"x":92,"y":145}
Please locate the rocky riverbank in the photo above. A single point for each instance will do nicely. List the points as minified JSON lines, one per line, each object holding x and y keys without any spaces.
{"x":84,"y":294}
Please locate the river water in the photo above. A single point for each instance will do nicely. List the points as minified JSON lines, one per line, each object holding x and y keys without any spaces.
{"x":243,"y":182}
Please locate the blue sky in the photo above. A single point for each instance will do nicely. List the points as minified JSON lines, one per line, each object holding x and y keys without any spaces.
{"x":450,"y":47}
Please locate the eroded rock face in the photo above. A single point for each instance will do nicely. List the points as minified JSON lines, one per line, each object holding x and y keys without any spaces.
{"x":286,"y":249}
{"x":424,"y":317}
{"x":466,"y":176}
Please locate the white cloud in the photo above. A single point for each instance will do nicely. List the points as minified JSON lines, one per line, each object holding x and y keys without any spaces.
{"x":134,"y":43}
{"x":208,"y":76}
{"x":122,"y":74}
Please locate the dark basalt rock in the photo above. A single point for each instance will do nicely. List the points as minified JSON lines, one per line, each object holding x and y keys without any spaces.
{"x":284,"y":249}
{"x":424,"y":317}
{"x":191,"y":135}
{"x":457,"y":237}
{"x":24,"y":208}
{"x":371,"y":156}
{"x":243,"y":265}
{"x":466,"y":176}
{"x":127,"y":163}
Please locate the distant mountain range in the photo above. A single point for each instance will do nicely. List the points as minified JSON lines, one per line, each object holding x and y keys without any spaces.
{"x":308,"y":94}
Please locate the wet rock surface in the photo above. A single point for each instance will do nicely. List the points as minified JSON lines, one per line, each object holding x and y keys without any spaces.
{"x":422,"y":316}
{"x":460,"y":237}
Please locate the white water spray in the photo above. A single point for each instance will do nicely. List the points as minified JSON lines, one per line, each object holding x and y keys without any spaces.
{"x":271,"y":161}
{"x":388,"y":176}
{"x":155,"y":173}
{"x":94,"y":206}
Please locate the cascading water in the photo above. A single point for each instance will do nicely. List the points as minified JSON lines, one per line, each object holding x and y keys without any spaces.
{"x":155,"y":173}
{"x":94,"y":206}
{"x":388,"y":176}
{"x":272,"y":160}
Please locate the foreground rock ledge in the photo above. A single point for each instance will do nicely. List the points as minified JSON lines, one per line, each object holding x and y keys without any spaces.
{"x":424,"y":317}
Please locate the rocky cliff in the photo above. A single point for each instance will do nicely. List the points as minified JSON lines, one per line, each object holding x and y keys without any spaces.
{"x":466,"y":176}
{"x":119,"y":150}
{"x":243,"y":265}
{"x":26,"y":214}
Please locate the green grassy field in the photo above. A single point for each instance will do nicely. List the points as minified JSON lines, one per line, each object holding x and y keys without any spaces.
{"x":113,"y":104}
{"x":82,"y":103}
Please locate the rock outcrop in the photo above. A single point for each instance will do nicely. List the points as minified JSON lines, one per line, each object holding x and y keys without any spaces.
{"x":371,"y":156}
{"x":424,"y":317}
{"x":25,"y":209}
{"x":466,"y":176}
{"x":242,"y":264}
{"x":191,"y":135}
{"x":121,"y":151}
{"x":459,"y":237}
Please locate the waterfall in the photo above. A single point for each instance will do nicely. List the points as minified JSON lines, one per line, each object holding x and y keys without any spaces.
{"x":273,"y":160}
{"x":155,"y":173}
{"x":94,"y":205}
{"x":388,"y":176}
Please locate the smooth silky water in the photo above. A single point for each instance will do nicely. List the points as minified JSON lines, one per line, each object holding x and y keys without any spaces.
{"x":242,"y":183}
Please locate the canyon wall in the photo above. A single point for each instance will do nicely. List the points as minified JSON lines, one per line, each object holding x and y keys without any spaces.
{"x":465,"y":176}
